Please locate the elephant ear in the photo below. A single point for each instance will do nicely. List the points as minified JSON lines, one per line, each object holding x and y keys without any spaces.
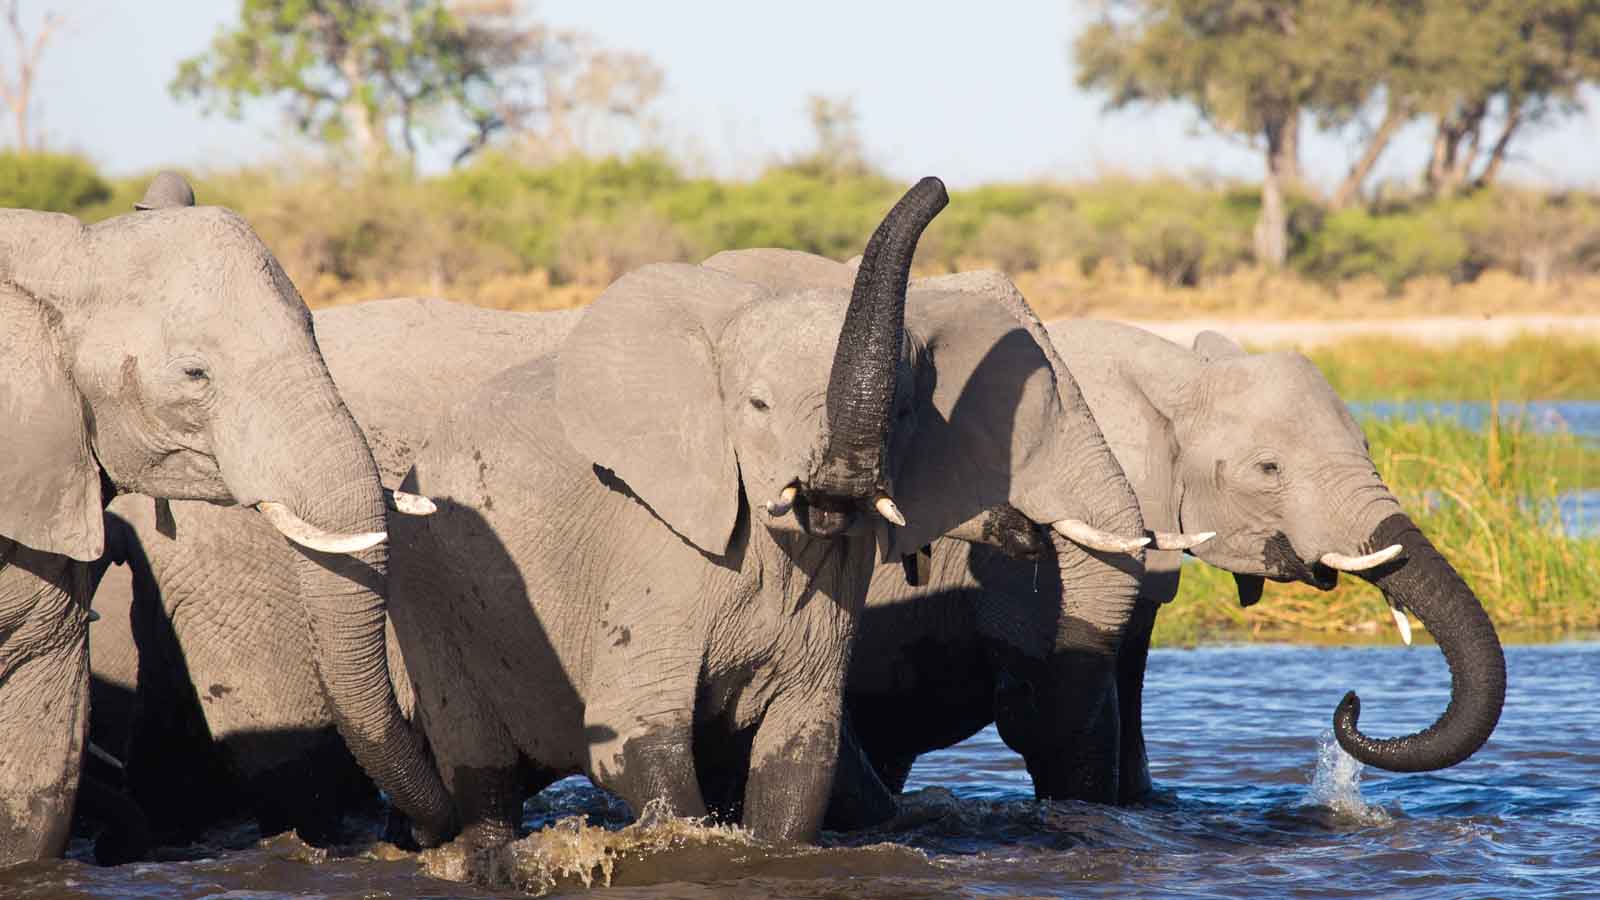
{"x":1214,"y":345}
{"x":783,"y":270}
{"x":637,"y":392}
{"x":986,"y":427}
{"x":49,"y":481}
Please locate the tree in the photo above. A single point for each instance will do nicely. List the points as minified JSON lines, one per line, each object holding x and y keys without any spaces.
{"x":1481,"y":70}
{"x":371,"y":73}
{"x":1242,"y":65}
{"x":16,"y":89}
{"x":1512,"y":64}
{"x":839,"y":151}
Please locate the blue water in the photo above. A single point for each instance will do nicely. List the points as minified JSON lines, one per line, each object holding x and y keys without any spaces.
{"x":1253,"y":801}
{"x":1579,"y":417}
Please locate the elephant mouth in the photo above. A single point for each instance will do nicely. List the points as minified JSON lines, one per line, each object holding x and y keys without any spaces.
{"x":826,"y":515}
{"x":1321,"y":577}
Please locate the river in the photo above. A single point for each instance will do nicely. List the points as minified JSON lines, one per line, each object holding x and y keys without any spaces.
{"x":1253,"y":800}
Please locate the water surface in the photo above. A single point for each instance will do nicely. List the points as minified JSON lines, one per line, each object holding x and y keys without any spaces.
{"x":1252,"y":802}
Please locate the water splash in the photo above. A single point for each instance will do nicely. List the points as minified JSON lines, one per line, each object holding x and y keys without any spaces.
{"x":1336,"y":785}
{"x":573,"y":850}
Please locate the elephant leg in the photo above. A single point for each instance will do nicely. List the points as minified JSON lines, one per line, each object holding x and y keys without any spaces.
{"x":894,"y":770}
{"x":859,"y":798}
{"x":792,"y":763}
{"x":1134,"y":764}
{"x":639,"y":716}
{"x":476,"y":757}
{"x":174,"y":770}
{"x":44,"y":702}
{"x":125,"y":835}
{"x":645,"y":757}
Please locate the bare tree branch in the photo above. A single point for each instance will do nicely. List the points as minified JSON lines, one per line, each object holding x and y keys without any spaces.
{"x":16,"y":91}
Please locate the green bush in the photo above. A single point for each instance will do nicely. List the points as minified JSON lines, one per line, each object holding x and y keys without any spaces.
{"x":1394,"y":246}
{"x":581,"y":219}
{"x":55,"y":182}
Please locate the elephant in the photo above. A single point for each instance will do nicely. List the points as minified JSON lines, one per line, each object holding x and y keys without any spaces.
{"x":203,"y":622}
{"x":1255,"y":449}
{"x":653,"y":545}
{"x":234,"y":691}
{"x":165,"y":352}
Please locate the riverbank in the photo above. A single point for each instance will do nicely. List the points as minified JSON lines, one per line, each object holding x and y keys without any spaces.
{"x":1509,"y":358}
{"x":1428,"y":331}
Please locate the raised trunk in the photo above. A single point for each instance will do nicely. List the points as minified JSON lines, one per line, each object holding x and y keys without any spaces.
{"x":861,"y":386}
{"x":1424,"y":583}
{"x":328,"y":478}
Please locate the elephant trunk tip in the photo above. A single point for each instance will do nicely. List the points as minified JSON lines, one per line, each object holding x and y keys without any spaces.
{"x":861,"y":383}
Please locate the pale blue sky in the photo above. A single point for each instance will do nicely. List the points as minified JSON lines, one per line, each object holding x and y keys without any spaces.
{"x":972,"y":92}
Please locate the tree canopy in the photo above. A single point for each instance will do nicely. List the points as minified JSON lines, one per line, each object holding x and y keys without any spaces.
{"x":1480,"y":70}
{"x":371,"y":73}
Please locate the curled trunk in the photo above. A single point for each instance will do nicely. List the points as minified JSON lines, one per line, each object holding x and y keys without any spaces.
{"x":1423,"y":582}
{"x":861,"y":385}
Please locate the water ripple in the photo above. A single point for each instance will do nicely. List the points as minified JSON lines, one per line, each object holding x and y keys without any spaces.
{"x":1254,"y":800}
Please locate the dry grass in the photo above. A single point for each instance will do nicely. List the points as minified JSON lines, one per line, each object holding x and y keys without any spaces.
{"x":1113,"y":290}
{"x":1060,"y":290}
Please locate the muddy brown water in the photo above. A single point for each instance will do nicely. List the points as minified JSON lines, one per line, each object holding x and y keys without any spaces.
{"x":1253,"y":801}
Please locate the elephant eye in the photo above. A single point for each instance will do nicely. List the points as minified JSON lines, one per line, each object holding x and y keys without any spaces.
{"x":758,"y":404}
{"x":196,"y":373}
{"x":1268,"y":467}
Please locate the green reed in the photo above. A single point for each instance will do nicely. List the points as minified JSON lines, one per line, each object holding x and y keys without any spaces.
{"x":1525,"y":368}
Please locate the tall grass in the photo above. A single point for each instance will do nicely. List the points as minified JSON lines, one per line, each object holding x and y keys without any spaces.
{"x":1485,"y":499}
{"x":1525,"y":368}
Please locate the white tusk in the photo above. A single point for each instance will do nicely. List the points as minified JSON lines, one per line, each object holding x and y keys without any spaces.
{"x":888,"y":510}
{"x":98,"y":752}
{"x":409,"y":503}
{"x":307,"y":535}
{"x":1404,"y":623}
{"x":1168,"y":540}
{"x":784,"y":503}
{"x":1360,"y":563}
{"x":1081,"y":532}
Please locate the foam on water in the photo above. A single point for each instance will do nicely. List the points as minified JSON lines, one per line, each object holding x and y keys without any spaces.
{"x":1336,"y":784}
{"x":573,"y":849}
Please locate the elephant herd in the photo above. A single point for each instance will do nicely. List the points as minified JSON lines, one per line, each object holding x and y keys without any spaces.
{"x":744,"y":537}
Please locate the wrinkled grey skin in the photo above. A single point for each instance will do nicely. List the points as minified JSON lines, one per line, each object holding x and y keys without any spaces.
{"x":1257,"y":448}
{"x":602,"y":590}
{"x":228,"y":701}
{"x":163,"y":352}
{"x":237,"y":584}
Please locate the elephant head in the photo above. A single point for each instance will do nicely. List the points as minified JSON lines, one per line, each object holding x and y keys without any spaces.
{"x":165,"y":352}
{"x":1269,"y":457}
{"x":707,"y":393}
{"x":1004,"y":451}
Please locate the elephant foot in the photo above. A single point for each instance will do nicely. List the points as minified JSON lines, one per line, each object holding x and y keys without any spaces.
{"x":125,"y":837}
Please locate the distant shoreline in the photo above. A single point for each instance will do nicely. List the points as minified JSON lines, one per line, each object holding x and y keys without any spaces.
{"x":1437,"y":330}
